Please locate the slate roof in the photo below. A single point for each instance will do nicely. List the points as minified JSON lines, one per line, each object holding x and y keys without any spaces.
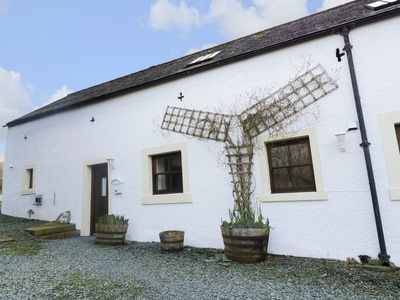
{"x":352,"y":14}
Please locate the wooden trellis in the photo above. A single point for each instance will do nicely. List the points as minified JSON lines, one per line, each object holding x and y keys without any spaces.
{"x":277,"y":108}
{"x":287,"y":101}
{"x":197,"y":123}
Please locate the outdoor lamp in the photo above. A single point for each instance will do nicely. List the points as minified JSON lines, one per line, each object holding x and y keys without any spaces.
{"x":340,"y":137}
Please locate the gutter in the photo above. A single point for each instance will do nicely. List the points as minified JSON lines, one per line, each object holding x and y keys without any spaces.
{"x":383,"y":256}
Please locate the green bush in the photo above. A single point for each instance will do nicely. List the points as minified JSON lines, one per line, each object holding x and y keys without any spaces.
{"x":112,"y":219}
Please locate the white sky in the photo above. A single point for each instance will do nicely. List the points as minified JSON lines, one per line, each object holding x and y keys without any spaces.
{"x":49,"y":48}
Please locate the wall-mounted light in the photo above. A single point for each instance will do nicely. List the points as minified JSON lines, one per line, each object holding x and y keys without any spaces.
{"x":340,"y":137}
{"x":111,"y":163}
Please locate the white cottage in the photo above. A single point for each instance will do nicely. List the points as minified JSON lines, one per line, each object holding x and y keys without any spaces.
{"x":93,"y":151}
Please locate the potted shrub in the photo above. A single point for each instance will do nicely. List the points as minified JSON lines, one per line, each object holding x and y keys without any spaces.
{"x":246,"y":236}
{"x":111,"y":230}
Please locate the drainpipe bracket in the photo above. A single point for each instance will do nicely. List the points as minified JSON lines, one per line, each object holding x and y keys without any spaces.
{"x":347,"y":46}
{"x":365,"y":144}
{"x":384,"y":259}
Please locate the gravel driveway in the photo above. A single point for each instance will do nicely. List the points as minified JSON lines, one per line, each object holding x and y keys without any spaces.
{"x":76,"y":268}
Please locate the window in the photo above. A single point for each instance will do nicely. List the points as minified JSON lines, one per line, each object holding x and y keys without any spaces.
{"x":204,"y":58}
{"x":377,"y":5}
{"x":290,"y":166}
{"x":397,"y":128}
{"x":29,"y":179}
{"x":167,"y":173}
{"x":390,"y":131}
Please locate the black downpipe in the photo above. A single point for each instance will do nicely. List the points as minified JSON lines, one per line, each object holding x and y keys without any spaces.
{"x":384,"y":257}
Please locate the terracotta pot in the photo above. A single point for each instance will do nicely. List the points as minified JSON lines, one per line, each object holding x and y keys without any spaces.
{"x":245,"y":245}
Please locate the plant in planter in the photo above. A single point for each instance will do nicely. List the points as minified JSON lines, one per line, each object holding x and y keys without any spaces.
{"x":247,"y":231}
{"x":246,"y":236}
{"x":111,"y":230}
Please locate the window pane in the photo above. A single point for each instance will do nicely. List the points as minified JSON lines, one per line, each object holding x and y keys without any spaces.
{"x":299,"y":154}
{"x":281,"y":178}
{"x":302,"y":176}
{"x":176,"y":164}
{"x":280,"y":156}
{"x":161,"y":182}
{"x":161,"y":165}
{"x":397,"y":128}
{"x":104,"y":186}
{"x":30,"y":178}
{"x":176,"y":181}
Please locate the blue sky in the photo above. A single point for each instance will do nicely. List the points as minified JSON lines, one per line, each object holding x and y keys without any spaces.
{"x":51,"y":48}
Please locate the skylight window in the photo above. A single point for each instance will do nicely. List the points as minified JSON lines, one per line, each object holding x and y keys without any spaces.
{"x":377,"y":5}
{"x":204,"y":58}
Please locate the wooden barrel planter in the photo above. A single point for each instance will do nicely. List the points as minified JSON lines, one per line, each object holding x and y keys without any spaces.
{"x":172,"y":240}
{"x":110,"y":234}
{"x":245,"y":245}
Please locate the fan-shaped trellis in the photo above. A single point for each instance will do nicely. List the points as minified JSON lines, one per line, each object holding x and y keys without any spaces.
{"x":276,"y":109}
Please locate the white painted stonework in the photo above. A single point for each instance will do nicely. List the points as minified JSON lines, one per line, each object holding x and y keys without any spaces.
{"x":335,"y":222}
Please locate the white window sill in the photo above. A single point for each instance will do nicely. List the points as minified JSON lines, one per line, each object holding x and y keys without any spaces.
{"x":394,"y":194}
{"x":28,"y":191}
{"x":307,"y":196}
{"x":167,"y":199}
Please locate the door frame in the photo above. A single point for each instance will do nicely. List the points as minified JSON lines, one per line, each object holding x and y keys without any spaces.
{"x":87,"y":191}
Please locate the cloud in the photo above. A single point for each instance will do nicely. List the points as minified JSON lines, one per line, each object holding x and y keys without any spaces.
{"x":15,"y":101}
{"x":166,"y":15}
{"x":196,"y":49}
{"x":332,"y":3}
{"x":4,"y":6}
{"x":232,"y":17}
{"x":236,"y":20}
{"x":15,"y":98}
{"x":60,"y":93}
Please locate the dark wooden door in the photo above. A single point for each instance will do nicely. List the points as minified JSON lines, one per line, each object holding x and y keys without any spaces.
{"x":99,"y":203}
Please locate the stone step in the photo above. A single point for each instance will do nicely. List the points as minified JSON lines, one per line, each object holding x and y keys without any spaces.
{"x":61,"y":235}
{"x":50,"y":228}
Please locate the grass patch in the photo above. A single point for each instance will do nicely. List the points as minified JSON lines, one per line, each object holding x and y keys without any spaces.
{"x":86,"y":287}
{"x":17,"y":248}
{"x":24,"y":243}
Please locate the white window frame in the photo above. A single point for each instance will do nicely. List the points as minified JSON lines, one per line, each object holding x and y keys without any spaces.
{"x":147,"y":176}
{"x":387,"y":121}
{"x":26,"y":178}
{"x":267,"y":195}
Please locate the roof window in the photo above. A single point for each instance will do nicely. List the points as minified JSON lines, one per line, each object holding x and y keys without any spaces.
{"x":377,"y":5}
{"x":204,"y":58}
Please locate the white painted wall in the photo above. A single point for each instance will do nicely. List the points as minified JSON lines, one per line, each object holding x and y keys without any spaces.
{"x":339,"y":227}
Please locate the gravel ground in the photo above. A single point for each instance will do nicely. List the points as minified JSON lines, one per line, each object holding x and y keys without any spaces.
{"x":76,"y":268}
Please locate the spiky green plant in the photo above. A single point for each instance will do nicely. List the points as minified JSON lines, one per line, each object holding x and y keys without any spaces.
{"x":112,"y":219}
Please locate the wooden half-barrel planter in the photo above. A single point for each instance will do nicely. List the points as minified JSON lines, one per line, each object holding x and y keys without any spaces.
{"x":245,"y":245}
{"x":110,"y":234}
{"x":172,"y":240}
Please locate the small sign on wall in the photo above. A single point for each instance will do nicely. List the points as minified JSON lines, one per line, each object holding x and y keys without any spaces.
{"x":117,"y":186}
